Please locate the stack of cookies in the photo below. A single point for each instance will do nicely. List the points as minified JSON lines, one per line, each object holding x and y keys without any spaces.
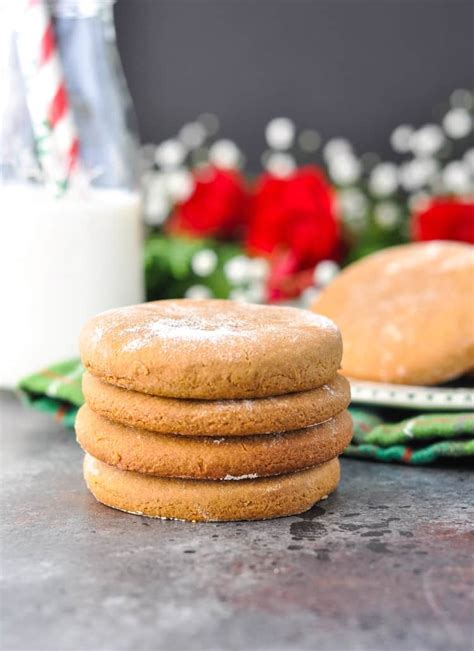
{"x":212,"y":410}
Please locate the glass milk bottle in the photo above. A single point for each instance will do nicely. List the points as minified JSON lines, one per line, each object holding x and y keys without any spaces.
{"x":70,"y":222}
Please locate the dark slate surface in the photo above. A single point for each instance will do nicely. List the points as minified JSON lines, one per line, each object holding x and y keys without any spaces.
{"x":384,"y":564}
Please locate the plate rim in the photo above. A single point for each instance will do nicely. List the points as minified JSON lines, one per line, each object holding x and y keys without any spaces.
{"x":412,"y":396}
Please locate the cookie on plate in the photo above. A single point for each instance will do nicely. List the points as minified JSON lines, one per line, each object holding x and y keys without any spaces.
{"x":406,"y":313}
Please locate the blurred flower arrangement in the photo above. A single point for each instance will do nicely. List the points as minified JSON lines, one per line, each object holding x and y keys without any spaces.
{"x":216,"y":231}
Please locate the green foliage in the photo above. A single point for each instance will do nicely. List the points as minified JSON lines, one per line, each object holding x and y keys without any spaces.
{"x":168,"y":270}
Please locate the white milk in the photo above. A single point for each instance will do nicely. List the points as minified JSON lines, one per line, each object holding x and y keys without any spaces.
{"x":61,"y":262}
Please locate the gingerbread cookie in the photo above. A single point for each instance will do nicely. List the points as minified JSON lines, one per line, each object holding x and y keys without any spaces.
{"x":200,"y":500}
{"x":221,"y":417}
{"x":211,"y":349}
{"x":164,"y":455}
{"x":406,"y":313}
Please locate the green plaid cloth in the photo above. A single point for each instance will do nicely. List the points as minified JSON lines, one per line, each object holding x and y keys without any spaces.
{"x":56,"y":390}
{"x":421,"y":439}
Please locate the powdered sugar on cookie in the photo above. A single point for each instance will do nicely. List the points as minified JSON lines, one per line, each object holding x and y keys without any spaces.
{"x":175,"y":324}
{"x":211,"y":349}
{"x":252,"y":475}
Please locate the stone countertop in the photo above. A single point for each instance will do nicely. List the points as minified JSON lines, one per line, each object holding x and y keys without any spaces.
{"x":384,"y":564}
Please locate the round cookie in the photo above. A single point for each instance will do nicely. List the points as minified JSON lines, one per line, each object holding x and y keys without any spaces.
{"x":197,"y":500}
{"x":186,"y":457}
{"x":211,"y":349}
{"x":406,"y":313}
{"x":221,"y":418}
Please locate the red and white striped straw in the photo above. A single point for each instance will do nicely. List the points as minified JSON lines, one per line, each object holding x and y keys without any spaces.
{"x":57,"y":142}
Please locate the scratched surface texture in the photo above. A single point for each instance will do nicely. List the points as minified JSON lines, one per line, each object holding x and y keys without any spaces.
{"x":384,"y":564}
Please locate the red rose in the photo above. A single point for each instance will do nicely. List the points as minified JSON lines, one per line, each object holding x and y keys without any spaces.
{"x":444,"y":219}
{"x":216,"y":208}
{"x":295,"y":214}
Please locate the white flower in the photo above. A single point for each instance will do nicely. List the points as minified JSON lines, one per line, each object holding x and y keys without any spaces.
{"x":170,"y":154}
{"x":457,"y":123}
{"x":179,"y":184}
{"x":198,"y":292}
{"x":427,"y":141}
{"x":257,"y":269}
{"x":383,"y":179}
{"x":336,"y":147}
{"x":280,"y":133}
{"x":156,"y":200}
{"x":345,"y":168}
{"x":156,"y":209}
{"x":456,"y":178}
{"x":416,"y":173}
{"x":324,"y":272}
{"x":154,"y":182}
{"x":204,"y":262}
{"x":225,"y":154}
{"x":280,"y":164}
{"x":387,"y":214}
{"x":192,"y":135}
{"x":309,"y":140}
{"x":353,"y":203}
{"x":400,"y":138}
{"x":237,"y":269}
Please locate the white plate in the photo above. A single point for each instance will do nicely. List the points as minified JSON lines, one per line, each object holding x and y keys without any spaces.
{"x":412,"y":397}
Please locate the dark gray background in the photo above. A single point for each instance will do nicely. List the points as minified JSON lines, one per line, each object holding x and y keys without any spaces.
{"x":353,"y":68}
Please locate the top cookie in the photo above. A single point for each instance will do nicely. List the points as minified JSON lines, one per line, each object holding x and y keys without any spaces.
{"x":406,"y":313}
{"x":211,"y":349}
